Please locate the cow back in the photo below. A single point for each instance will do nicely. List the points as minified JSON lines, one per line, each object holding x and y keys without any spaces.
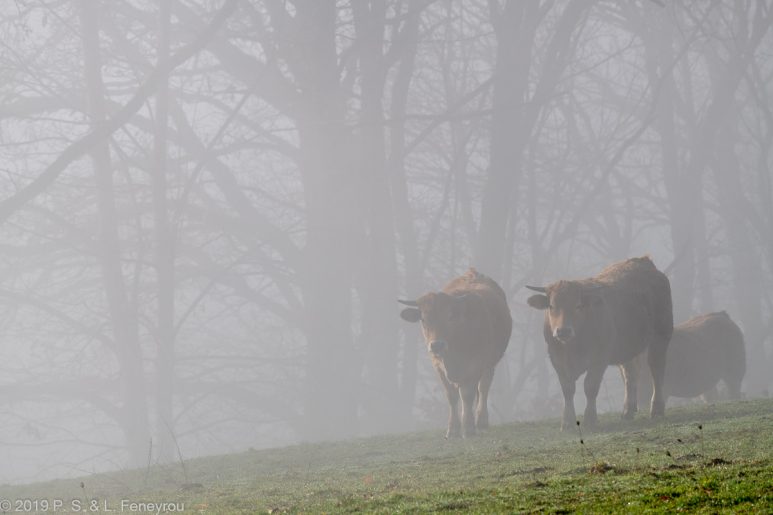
{"x":493,"y":304}
{"x":640,"y":276}
{"x":639,"y":290}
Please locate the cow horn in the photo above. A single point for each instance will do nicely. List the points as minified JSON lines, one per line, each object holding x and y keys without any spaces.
{"x":540,"y":289}
{"x":411,"y":303}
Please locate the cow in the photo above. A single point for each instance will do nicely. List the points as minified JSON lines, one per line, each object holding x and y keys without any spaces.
{"x":607,"y":320}
{"x":703,"y":350}
{"x":466,"y":328}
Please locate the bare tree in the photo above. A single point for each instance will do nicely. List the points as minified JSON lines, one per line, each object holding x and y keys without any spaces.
{"x":123,"y":315}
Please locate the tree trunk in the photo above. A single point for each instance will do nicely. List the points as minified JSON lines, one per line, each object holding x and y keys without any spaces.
{"x":377,"y":271}
{"x":123,"y":316}
{"x":515,"y":26}
{"x":746,"y":263}
{"x":332,"y":386}
{"x":164,"y":258}
{"x":679,"y":191}
{"x":514,"y":113}
{"x":403,"y":218}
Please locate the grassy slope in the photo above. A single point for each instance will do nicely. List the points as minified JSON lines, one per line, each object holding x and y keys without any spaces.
{"x":725,"y":465}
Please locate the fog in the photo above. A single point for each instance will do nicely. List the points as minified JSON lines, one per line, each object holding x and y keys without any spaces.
{"x":209,"y":208}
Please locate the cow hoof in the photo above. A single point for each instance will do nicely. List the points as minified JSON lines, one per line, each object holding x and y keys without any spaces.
{"x":452,"y":434}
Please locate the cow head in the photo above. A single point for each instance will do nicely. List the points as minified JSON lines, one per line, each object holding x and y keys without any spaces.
{"x":568,"y":305}
{"x":443,"y":318}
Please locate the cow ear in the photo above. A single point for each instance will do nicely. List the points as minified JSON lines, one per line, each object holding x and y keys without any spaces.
{"x":538,"y":301}
{"x":411,"y":315}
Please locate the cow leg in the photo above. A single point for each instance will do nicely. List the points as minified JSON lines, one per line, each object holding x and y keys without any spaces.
{"x":484,"y":385}
{"x":452,"y":394}
{"x":630,"y":372}
{"x":469,"y":393}
{"x":656,"y":358}
{"x":569,"y":418}
{"x":454,"y":427}
{"x":592,"y":385}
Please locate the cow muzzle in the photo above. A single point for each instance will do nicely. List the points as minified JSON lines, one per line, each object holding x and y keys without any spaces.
{"x":437,"y":347}
{"x":563,"y":334}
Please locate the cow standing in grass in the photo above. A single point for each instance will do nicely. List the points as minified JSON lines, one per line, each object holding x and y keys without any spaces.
{"x":466,"y":328}
{"x":703,"y":350}
{"x":607,"y":320}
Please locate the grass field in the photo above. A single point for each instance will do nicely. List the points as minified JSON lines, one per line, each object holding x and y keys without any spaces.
{"x":716,"y":458}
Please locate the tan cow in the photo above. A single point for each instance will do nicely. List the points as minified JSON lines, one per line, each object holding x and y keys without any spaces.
{"x":704,"y":350}
{"x":604,"y":320}
{"x":466,"y":328}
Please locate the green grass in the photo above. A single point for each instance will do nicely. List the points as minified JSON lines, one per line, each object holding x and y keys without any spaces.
{"x":709,"y":459}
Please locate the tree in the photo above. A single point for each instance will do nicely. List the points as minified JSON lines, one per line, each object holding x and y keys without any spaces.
{"x":123,"y":316}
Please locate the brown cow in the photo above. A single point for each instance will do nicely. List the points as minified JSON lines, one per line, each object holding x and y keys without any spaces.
{"x":467,"y":328}
{"x":604,"y":320}
{"x":702,"y":351}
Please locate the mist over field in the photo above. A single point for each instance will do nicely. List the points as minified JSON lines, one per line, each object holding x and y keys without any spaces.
{"x":209,"y":208}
